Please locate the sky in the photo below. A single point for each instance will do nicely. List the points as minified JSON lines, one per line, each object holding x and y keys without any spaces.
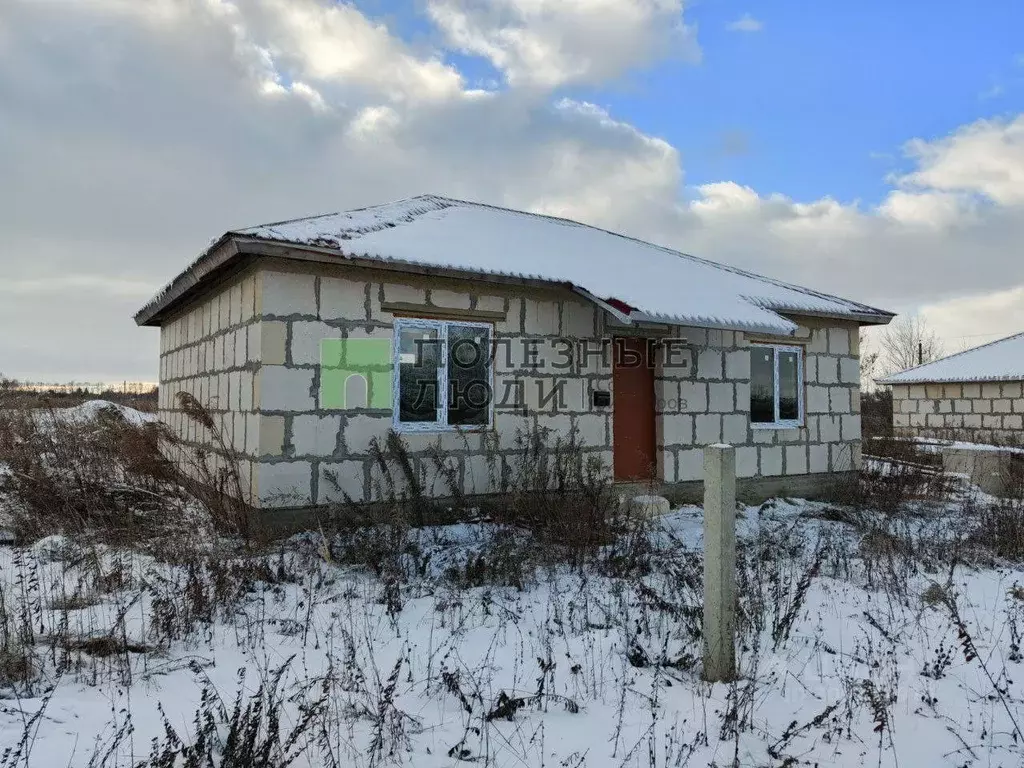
{"x":870,"y":149}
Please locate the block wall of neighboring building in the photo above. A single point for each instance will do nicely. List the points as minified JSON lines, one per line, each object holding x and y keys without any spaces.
{"x":983,"y":412}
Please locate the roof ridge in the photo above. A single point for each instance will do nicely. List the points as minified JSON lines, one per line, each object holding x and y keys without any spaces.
{"x":272,"y":224}
{"x":292,"y":221}
{"x":950,"y":357}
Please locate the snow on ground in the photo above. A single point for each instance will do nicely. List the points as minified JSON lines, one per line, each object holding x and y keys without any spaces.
{"x":933,"y":445}
{"x":90,"y":410}
{"x":847,"y":653}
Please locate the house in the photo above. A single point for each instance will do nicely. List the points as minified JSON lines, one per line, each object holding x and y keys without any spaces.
{"x":463,"y":325}
{"x":976,"y":395}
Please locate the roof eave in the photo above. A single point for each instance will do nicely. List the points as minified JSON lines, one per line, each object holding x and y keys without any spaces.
{"x":870,"y":317}
{"x":887,"y":382}
{"x":717,"y":325}
{"x":216,"y":257}
{"x":619,"y":315}
{"x":233,"y":246}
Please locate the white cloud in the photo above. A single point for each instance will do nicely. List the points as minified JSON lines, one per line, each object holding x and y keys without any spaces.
{"x":924,"y":208}
{"x":968,"y":321}
{"x":745,"y":23}
{"x":548,"y":43}
{"x":726,"y":199}
{"x":131,"y":138}
{"x":333,"y":43}
{"x":373,"y":123}
{"x":949,"y":228}
{"x":985,"y":158}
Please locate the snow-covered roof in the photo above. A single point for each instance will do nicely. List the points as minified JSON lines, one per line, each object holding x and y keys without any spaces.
{"x":655,"y":283}
{"x":1001,"y":360}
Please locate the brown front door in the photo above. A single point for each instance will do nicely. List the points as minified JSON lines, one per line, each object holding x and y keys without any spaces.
{"x":632,"y":409}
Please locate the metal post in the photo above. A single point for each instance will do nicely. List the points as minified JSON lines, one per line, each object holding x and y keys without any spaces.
{"x":719,"y":563}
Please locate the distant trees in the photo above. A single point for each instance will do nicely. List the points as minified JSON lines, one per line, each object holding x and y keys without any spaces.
{"x":907,"y":341}
{"x":868,"y":362}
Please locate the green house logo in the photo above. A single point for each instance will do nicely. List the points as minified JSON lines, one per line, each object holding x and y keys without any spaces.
{"x":356,"y":373}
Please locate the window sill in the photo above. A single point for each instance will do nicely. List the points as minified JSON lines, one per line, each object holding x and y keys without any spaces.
{"x":438,"y":428}
{"x":777,"y":425}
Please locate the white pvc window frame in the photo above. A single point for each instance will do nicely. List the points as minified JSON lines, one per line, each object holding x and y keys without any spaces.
{"x":440,"y":424}
{"x":778,"y":423}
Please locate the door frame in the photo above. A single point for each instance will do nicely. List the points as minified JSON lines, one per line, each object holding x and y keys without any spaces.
{"x":650,"y":362}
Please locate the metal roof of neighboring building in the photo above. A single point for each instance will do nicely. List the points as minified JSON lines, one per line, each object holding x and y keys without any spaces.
{"x":1001,"y":360}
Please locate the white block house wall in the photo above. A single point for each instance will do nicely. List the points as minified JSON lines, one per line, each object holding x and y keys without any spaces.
{"x":976,"y":395}
{"x":984,"y":412}
{"x":715,"y":406}
{"x":249,"y":349}
{"x":212,"y":350}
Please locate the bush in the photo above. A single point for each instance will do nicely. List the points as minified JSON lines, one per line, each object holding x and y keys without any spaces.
{"x":75,"y":474}
{"x":896,"y":472}
{"x":103,"y":475}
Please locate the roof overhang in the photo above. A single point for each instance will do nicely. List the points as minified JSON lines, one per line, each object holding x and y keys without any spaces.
{"x":874,"y":317}
{"x":218,"y":258}
{"x":230,"y":251}
{"x":225,"y":255}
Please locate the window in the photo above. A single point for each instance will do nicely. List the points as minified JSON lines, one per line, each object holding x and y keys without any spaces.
{"x":442,"y":375}
{"x":776,"y":386}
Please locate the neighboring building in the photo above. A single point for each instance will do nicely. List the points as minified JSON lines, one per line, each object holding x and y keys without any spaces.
{"x":976,"y":396}
{"x":309,"y":338}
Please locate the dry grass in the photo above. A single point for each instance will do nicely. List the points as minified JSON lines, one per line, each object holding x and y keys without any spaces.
{"x":999,"y":528}
{"x":897,"y":473}
{"x":357,"y":709}
{"x":66,"y":475}
{"x":109,"y":479}
{"x":16,"y":666}
{"x":213,"y":476}
{"x":552,"y":487}
{"x":554,"y":504}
